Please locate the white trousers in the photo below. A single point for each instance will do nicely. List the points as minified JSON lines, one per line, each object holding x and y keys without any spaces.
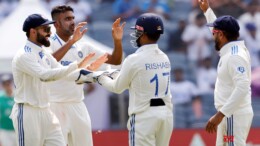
{"x":36,"y":126}
{"x":152,"y":127}
{"x":7,"y":138}
{"x":233,"y":131}
{"x":75,"y":123}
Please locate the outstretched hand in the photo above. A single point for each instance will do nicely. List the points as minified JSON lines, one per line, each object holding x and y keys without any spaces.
{"x":204,"y":5}
{"x":97,"y":63}
{"x":78,"y":33}
{"x":118,"y":29}
{"x":84,"y":62}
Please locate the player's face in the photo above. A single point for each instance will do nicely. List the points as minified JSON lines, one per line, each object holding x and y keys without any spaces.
{"x":43,"y":34}
{"x":67,"y":23}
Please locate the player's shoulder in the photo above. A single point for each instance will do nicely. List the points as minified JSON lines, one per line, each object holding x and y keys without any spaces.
{"x":237,"y":49}
{"x":132,"y":57}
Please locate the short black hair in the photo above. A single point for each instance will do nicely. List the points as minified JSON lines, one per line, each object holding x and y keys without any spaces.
{"x":28,"y":34}
{"x":153,"y":37}
{"x":60,"y":9}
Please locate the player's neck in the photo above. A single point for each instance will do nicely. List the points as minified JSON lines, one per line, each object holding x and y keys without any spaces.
{"x":65,"y":38}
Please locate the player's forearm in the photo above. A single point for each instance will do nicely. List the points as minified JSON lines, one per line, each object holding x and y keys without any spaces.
{"x":57,"y":73}
{"x":110,"y":84}
{"x":236,"y":98}
{"x":210,"y":16}
{"x":60,"y":53}
{"x":116,"y":57}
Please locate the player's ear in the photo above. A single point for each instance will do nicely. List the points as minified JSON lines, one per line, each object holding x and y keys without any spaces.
{"x":33,"y":31}
{"x":56,"y":24}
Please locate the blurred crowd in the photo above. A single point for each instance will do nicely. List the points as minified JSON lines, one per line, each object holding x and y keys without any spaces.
{"x":187,"y":41}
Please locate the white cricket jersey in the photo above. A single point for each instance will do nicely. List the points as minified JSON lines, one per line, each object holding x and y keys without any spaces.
{"x":146,"y":74}
{"x":232,"y":89}
{"x":64,"y":90}
{"x":31,"y":66}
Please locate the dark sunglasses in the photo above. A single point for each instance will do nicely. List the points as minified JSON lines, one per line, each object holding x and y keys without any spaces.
{"x":46,"y":29}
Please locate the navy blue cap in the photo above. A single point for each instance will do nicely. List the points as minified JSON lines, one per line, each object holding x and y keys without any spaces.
{"x":226,"y":23}
{"x":150,"y":23}
{"x":35,"y":20}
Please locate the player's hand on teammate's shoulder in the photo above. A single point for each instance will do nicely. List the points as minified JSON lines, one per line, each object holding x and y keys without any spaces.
{"x":79,"y":32}
{"x":204,"y":5}
{"x":118,"y":29}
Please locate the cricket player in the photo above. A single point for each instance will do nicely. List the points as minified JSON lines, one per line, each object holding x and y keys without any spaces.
{"x":34,"y":123}
{"x":146,"y":74}
{"x":232,"y":93}
{"x":67,"y":100}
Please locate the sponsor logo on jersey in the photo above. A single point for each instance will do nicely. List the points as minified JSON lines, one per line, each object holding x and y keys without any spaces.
{"x":158,"y":65}
{"x":80,"y":54}
{"x":241,"y":69}
{"x":228,"y":138}
{"x":65,"y":63}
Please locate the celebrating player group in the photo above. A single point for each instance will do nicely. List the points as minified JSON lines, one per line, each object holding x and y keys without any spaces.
{"x":49,"y":72}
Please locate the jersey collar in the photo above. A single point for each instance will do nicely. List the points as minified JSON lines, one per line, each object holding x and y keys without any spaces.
{"x":226,"y":48}
{"x":147,"y":47}
{"x":61,"y":42}
{"x":33,"y":45}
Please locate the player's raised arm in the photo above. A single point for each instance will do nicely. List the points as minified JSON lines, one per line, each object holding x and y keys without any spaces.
{"x":208,"y":12}
{"x":77,"y":35}
{"x":204,"y":5}
{"x":117,"y":32}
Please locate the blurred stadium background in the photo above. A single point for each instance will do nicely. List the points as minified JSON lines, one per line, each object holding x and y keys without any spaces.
{"x":186,"y":40}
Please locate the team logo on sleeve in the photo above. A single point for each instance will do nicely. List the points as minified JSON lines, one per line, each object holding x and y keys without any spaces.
{"x":241,"y":69}
{"x":80,"y":54}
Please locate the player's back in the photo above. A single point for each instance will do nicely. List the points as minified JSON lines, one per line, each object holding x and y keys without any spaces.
{"x":150,"y":77}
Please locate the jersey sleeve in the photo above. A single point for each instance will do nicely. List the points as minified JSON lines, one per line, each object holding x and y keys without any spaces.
{"x":123,"y":80}
{"x":29,"y":64}
{"x":210,"y":17}
{"x":239,"y":70}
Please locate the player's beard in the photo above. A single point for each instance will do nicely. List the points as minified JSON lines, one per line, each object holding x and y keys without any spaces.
{"x":43,"y":39}
{"x":138,"y":42}
{"x":217,"y":44}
